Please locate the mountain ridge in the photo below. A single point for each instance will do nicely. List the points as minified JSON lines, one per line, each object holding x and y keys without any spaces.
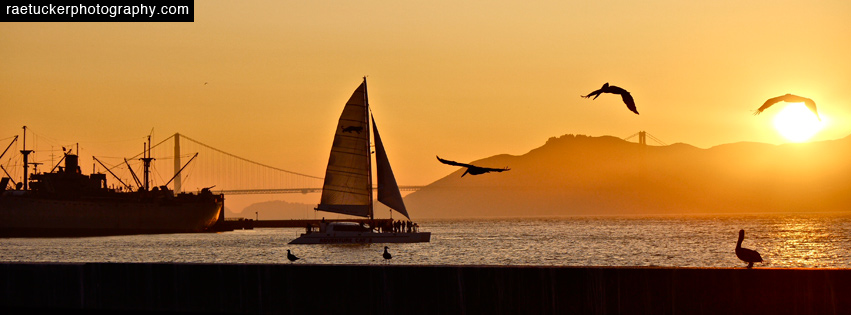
{"x":605,"y":175}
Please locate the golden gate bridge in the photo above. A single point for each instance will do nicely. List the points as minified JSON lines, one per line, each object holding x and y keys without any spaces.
{"x":227,"y":173}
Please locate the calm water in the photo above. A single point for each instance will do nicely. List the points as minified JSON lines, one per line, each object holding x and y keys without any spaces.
{"x":822,"y":241}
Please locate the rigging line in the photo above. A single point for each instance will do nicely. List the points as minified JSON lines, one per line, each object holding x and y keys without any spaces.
{"x":69,"y":143}
{"x":246,"y":160}
{"x":161,"y":142}
{"x":154,"y":146}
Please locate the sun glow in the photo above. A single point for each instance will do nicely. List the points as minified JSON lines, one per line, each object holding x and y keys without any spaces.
{"x":797,"y":123}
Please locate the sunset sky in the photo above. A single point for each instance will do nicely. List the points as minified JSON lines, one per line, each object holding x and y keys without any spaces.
{"x":461,"y":79}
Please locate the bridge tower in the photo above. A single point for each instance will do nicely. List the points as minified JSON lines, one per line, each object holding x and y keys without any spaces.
{"x":642,"y":138}
{"x":177,"y":165}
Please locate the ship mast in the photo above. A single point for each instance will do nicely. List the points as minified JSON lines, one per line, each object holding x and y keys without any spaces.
{"x":368,"y":148}
{"x":26,"y":154}
{"x":146,"y":159}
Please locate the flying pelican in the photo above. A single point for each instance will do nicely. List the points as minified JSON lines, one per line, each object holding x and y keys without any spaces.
{"x":291,"y":257}
{"x":627,"y":98}
{"x":387,"y":255}
{"x":472,"y":169}
{"x":789,"y":98}
{"x":747,"y":255}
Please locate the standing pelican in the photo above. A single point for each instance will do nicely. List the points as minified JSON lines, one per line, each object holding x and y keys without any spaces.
{"x":747,"y":255}
{"x":291,"y":257}
{"x":627,"y":98}
{"x":472,"y":169}
{"x":387,"y":255}
{"x":789,"y":98}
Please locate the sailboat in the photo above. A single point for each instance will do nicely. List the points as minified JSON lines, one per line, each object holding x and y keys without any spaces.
{"x":348,"y":183}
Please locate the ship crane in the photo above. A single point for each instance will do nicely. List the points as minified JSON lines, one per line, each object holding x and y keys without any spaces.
{"x":113,"y":174}
{"x":1,"y":166}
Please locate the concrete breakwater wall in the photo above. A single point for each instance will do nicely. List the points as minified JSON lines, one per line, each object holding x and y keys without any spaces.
{"x":389,"y":289}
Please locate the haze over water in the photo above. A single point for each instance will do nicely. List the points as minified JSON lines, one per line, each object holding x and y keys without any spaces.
{"x":784,"y":240}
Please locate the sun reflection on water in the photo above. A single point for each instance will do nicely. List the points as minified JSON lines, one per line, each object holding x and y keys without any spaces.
{"x":797,"y":241}
{"x":784,"y":241}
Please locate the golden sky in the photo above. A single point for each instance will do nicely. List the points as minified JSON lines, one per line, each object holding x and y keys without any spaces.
{"x":460,"y":79}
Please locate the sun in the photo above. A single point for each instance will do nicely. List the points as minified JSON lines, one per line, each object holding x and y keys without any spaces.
{"x":797,"y":123}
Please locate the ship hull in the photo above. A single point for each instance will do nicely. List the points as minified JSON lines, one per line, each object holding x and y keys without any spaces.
{"x":362,"y":238}
{"x":27,"y":216}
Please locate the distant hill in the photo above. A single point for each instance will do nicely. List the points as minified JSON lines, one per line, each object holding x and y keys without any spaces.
{"x":582,"y":175}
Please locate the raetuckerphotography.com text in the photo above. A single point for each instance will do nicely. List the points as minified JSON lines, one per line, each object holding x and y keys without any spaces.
{"x":115,"y":11}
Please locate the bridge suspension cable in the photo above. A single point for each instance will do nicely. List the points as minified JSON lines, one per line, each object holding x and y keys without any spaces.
{"x":227,"y":172}
{"x":244,"y":159}
{"x":642,"y":138}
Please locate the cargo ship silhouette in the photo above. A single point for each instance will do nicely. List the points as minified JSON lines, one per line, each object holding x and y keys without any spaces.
{"x":66,"y":203}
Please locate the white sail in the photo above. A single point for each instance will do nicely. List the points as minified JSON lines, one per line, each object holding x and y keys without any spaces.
{"x":347,"y":179}
{"x":348,"y":183}
{"x":388,"y":190}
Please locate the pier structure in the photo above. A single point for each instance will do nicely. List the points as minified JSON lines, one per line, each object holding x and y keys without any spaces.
{"x":231,"y":224}
{"x":293,"y":288}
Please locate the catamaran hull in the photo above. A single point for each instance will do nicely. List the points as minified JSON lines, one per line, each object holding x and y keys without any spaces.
{"x":22,"y":216}
{"x":362,"y":238}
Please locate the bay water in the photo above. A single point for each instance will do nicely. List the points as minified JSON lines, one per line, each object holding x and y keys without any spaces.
{"x":783,"y":240}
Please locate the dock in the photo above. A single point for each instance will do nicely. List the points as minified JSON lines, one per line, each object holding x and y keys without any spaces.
{"x":286,"y":288}
{"x":248,"y":224}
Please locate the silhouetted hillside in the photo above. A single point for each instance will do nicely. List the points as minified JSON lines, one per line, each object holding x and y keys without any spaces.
{"x":581,"y":175}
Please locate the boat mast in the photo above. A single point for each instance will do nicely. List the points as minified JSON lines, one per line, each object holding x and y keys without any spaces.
{"x":26,"y":154}
{"x":368,"y":148}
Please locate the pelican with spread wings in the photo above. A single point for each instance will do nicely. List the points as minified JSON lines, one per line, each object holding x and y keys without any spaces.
{"x":789,"y":98}
{"x":627,"y":98}
{"x":472,"y":169}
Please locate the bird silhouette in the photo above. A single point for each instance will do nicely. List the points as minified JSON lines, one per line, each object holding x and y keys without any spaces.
{"x":747,"y":255}
{"x":472,"y":169}
{"x":627,"y":98}
{"x":291,"y":257}
{"x":789,"y":98}
{"x":387,"y":255}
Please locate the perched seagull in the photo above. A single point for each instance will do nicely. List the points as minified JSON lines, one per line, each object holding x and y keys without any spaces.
{"x":627,"y":98}
{"x":472,"y":169}
{"x":291,"y":257}
{"x":387,"y":255}
{"x":789,"y":98}
{"x":747,"y":255}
